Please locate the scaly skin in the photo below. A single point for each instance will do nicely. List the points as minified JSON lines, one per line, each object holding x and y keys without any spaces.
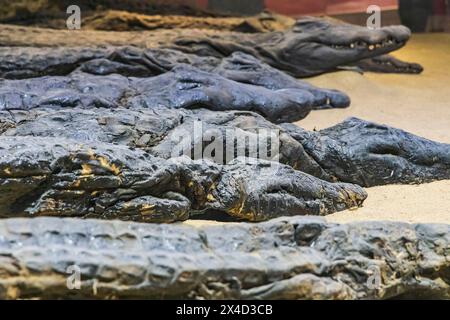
{"x":286,"y":258}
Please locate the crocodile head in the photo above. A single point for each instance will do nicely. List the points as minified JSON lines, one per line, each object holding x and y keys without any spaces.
{"x":317,"y":45}
{"x":371,"y":154}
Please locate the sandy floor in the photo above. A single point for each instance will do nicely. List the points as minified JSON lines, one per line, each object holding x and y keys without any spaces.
{"x":417,"y":103}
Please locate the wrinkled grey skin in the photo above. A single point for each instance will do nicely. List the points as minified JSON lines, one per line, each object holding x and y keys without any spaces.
{"x":313,"y":46}
{"x":22,"y":63}
{"x":42,"y":176}
{"x":285,"y":258}
{"x":182,"y":87}
{"x":355,"y":151}
{"x":388,"y":64}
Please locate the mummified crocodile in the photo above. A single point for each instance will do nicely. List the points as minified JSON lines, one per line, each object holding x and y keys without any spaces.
{"x":25,"y":62}
{"x":312,"y":46}
{"x":285,"y":258}
{"x":182,"y":87}
{"x":62,"y":177}
{"x":355,"y":151}
{"x":265,"y":22}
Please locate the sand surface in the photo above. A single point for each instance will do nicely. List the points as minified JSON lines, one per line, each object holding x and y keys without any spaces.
{"x":417,"y":103}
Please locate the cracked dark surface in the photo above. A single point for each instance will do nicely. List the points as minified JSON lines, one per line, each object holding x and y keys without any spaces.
{"x":285,"y":258}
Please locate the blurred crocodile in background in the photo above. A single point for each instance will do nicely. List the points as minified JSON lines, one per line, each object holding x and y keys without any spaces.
{"x":312,"y":46}
{"x":47,"y":15}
